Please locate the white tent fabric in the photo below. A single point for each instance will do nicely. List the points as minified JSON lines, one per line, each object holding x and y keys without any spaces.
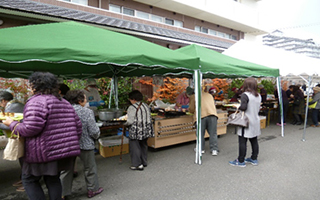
{"x":290,"y":64}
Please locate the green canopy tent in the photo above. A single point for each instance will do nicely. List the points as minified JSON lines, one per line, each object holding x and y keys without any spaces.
{"x":216,"y":65}
{"x":75,"y":50}
{"x":213,"y":64}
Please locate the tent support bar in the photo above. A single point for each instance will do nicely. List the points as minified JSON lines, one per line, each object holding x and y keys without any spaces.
{"x":306,"y":115}
{"x":197,"y":90}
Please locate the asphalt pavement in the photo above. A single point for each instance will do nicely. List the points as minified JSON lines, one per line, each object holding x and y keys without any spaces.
{"x":289,"y":169}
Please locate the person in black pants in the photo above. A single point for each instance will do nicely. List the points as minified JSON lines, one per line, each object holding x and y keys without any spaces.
{"x":250,"y":105}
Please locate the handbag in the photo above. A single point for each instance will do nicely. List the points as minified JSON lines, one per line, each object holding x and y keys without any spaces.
{"x":238,"y":119}
{"x":15,"y":147}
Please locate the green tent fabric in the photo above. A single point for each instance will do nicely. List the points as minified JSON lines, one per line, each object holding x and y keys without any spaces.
{"x":75,"y":50}
{"x":216,"y":65}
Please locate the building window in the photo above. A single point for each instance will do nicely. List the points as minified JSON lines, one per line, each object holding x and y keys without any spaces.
{"x":169,"y":21}
{"x":128,"y":11}
{"x":178,"y":23}
{"x":220,"y":34}
{"x":115,"y":8}
{"x":142,"y":15}
{"x":204,"y":30}
{"x":174,"y":22}
{"x":82,"y":2}
{"x":157,"y":18}
{"x":212,"y":32}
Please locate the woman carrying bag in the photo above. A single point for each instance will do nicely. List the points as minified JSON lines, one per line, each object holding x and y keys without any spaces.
{"x":250,"y":104}
{"x":52,"y":130}
{"x":141,"y":128}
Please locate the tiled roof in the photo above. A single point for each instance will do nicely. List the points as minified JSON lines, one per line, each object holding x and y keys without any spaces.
{"x":72,"y":14}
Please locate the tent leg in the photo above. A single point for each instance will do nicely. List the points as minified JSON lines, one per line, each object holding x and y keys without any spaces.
{"x":306,"y":114}
{"x":197,"y":89}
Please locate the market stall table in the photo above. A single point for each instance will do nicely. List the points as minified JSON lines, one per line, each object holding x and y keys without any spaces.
{"x":175,"y":130}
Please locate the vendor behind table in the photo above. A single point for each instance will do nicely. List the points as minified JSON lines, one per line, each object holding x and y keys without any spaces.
{"x":93,"y":96}
{"x":182,"y":101}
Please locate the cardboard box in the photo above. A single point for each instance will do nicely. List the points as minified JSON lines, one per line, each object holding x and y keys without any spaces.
{"x":263,"y":121}
{"x":110,"y":151}
{"x":111,"y":146}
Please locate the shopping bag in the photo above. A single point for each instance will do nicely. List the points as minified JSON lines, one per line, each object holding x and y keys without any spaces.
{"x":238,"y":119}
{"x":15,"y":147}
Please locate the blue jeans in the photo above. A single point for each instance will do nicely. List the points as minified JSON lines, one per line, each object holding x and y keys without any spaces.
{"x":209,"y":123}
{"x":314,"y":116}
{"x":34,"y":190}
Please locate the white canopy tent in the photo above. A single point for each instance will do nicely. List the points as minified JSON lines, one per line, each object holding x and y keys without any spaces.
{"x":290,"y":64}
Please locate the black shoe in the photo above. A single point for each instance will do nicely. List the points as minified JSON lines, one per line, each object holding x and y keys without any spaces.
{"x":145,"y":165}
{"x":140,"y":167}
{"x":298,"y":123}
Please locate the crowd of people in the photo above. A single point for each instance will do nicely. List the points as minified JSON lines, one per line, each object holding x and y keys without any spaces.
{"x":58,"y":126}
{"x":54,"y":139}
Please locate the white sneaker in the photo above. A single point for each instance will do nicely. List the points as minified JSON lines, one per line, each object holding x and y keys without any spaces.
{"x":203,"y":151}
{"x":214,"y":152}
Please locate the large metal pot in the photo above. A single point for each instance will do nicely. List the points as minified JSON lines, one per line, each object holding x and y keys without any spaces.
{"x":118,"y":112}
{"x":106,"y":114}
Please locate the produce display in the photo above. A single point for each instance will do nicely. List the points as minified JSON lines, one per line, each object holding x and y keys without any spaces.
{"x":14,"y":116}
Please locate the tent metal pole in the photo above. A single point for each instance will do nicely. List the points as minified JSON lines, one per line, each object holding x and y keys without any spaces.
{"x":280,"y":103}
{"x":197,"y":89}
{"x":116,"y":97}
{"x":111,"y":92}
{"x":306,"y":114}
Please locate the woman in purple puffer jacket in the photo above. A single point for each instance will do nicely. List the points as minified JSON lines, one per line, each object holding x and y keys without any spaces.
{"x":52,"y":130}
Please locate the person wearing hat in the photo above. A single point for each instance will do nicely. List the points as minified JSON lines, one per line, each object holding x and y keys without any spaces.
{"x":315,"y":111}
{"x":93,"y":98}
{"x":183,"y":98}
{"x":92,"y":94}
{"x":213,"y":91}
{"x":209,"y":118}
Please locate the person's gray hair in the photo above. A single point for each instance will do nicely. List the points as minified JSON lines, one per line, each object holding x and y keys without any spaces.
{"x":4,"y":95}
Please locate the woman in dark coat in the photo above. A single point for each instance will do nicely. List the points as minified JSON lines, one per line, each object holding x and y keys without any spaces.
{"x":298,"y":106}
